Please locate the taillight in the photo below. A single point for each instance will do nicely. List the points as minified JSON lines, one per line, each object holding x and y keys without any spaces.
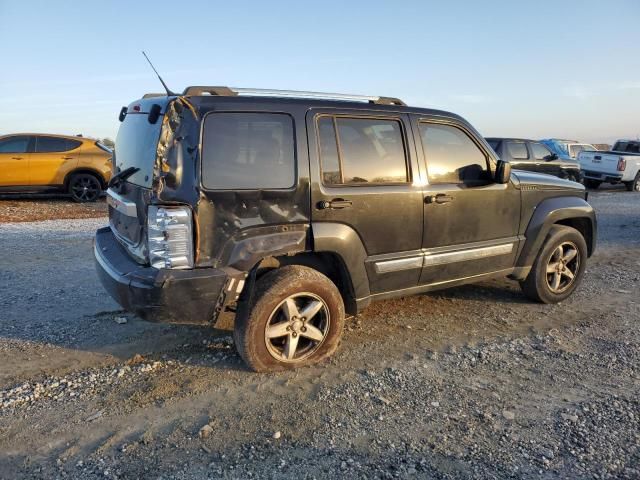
{"x":622,"y":164}
{"x":170,"y":237}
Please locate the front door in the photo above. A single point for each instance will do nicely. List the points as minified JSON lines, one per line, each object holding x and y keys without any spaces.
{"x":14,"y":160}
{"x":470,"y":222}
{"x":517,"y":153}
{"x":53,"y":158}
{"x":363,"y":168}
{"x":547,"y":161}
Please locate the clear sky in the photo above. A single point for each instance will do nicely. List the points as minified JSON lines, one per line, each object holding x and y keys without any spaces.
{"x":513,"y":68}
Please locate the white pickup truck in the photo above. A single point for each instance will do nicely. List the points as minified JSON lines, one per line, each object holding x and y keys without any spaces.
{"x":620,"y":165}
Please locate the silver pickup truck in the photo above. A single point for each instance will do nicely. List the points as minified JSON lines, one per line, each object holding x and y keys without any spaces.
{"x":620,"y":165}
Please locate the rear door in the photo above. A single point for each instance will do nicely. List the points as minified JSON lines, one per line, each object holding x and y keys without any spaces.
{"x":14,"y":160}
{"x":470,"y":222}
{"x":52,"y":159}
{"x":365,"y":175}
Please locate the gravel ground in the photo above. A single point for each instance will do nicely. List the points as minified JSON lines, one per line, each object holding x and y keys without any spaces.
{"x":472,"y":382}
{"x":34,"y":207}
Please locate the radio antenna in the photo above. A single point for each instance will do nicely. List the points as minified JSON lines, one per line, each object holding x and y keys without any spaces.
{"x":169,"y":92}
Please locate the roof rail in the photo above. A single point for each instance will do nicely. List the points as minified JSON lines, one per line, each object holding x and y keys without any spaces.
{"x":259,"y":92}
{"x":152,"y":95}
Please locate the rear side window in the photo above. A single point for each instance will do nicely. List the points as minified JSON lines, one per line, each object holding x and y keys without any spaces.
{"x":361,"y":151}
{"x":18,"y":144}
{"x":452,"y":157}
{"x":248,"y":151}
{"x":517,"y":150}
{"x":540,"y":152}
{"x":55,"y":144}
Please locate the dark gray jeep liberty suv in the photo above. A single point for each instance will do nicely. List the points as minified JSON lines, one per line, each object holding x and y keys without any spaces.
{"x":294,"y":208}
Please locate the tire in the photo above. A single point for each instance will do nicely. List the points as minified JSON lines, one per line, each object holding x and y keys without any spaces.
{"x":634,"y":185}
{"x":84,"y":187}
{"x":271,"y":306}
{"x":539,"y":284}
{"x":593,"y":184}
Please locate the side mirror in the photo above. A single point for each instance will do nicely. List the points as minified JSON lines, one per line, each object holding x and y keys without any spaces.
{"x":503,"y":172}
{"x":550,"y":158}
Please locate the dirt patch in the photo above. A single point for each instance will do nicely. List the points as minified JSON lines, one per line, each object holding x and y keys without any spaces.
{"x":36,"y":208}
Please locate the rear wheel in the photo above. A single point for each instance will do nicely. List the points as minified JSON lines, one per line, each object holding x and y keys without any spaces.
{"x":295,"y":319}
{"x":634,"y":185}
{"x":84,"y":187}
{"x":593,"y":184}
{"x":559,"y":267}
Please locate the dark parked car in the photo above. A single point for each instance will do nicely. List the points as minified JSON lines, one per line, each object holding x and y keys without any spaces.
{"x":291,"y":209}
{"x":535,"y":157}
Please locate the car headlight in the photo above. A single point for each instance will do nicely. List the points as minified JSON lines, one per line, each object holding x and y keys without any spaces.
{"x":170,"y":237}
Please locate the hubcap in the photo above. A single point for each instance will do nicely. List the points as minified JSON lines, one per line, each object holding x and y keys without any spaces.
{"x":563,"y":267}
{"x":297,"y":327}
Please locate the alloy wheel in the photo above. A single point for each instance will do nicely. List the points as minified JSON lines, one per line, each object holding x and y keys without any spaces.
{"x":297,"y":327}
{"x":563,"y":267}
{"x":85,"y":188}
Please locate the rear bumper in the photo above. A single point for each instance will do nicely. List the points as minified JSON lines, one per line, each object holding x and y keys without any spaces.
{"x":160,"y":295}
{"x":601,"y":176}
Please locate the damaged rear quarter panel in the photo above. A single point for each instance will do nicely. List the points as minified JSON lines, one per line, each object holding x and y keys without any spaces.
{"x":238,"y":228}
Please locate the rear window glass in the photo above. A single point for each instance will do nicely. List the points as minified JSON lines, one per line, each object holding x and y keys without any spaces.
{"x":55,"y":144}
{"x":248,"y":151}
{"x":631,"y":147}
{"x":517,"y":150}
{"x":136,"y":146}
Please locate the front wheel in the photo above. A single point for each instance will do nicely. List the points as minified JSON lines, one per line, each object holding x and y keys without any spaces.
{"x":295,"y":319}
{"x":634,"y":185}
{"x":559,"y":267}
{"x":84,"y":187}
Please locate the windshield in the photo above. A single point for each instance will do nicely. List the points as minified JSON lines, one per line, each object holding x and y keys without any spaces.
{"x":137,"y":143}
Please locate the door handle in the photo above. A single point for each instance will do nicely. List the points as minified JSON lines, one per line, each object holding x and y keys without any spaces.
{"x":67,"y":158}
{"x":335,"y":204}
{"x":16,"y":158}
{"x":439,"y":198}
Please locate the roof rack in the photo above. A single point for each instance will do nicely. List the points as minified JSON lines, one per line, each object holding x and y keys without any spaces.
{"x":258,"y":92}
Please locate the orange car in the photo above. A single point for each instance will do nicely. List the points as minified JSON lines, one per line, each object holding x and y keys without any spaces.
{"x":34,"y":162}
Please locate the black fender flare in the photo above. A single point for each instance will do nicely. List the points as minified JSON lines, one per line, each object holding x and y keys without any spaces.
{"x":551,"y":211}
{"x":342,"y":240}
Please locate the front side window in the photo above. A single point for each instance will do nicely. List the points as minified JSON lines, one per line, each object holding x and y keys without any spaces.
{"x":248,"y":151}
{"x":517,"y":150}
{"x":540,"y":152}
{"x":452,"y":157}
{"x":361,"y":151}
{"x":18,"y":144}
{"x":55,"y":144}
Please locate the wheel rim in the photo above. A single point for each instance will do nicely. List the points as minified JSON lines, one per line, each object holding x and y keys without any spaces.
{"x":297,"y":327}
{"x":637,"y":185}
{"x":85,"y":188}
{"x":562,"y":267}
